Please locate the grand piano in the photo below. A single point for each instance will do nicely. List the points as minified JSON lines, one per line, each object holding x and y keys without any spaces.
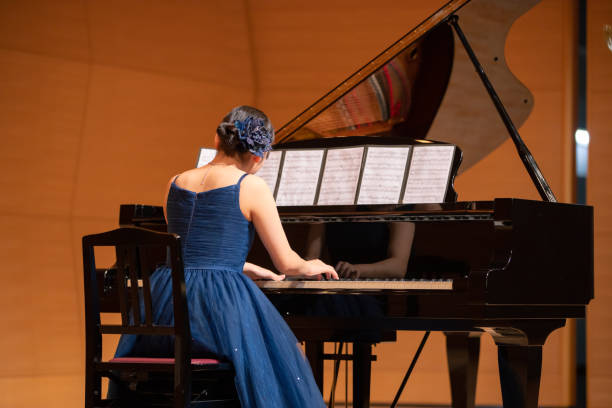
{"x":474,"y":267}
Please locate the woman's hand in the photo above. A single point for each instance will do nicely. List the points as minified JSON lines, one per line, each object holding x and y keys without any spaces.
{"x":256,"y":272}
{"x":347,"y":270}
{"x":317,"y":269}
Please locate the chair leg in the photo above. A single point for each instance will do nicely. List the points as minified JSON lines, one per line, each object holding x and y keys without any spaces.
{"x":314,"y":353}
{"x":362,"y":366}
{"x":93,"y":390}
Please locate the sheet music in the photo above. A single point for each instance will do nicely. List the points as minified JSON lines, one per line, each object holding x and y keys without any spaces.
{"x":205,"y":156}
{"x":269,"y":170}
{"x":383,"y":175}
{"x":299,"y":178}
{"x":340,"y":176}
{"x":428,"y":174}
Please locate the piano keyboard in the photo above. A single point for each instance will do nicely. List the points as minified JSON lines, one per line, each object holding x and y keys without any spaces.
{"x":359,"y":284}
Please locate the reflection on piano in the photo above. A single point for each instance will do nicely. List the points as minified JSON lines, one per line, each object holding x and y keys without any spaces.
{"x":474,"y":267}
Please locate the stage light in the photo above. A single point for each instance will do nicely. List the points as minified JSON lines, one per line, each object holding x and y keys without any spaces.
{"x":582,"y":137}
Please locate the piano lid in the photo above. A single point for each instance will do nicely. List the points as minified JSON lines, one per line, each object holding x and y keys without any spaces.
{"x":424,"y":86}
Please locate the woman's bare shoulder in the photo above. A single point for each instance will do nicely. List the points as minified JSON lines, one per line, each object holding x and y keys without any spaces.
{"x":189,"y":174}
{"x":255,"y":183}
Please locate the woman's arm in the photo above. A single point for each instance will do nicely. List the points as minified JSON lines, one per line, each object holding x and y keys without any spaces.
{"x":258,"y":204}
{"x":257,"y":272}
{"x":166,"y":197}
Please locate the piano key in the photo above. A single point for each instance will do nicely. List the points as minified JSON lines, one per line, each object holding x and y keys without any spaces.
{"x":359,"y":284}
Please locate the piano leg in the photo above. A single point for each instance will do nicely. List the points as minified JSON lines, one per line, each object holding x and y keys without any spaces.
{"x":462,"y":353}
{"x":519,"y":372}
{"x":519,"y":355}
{"x":362,"y":364}
{"x":314,"y":354}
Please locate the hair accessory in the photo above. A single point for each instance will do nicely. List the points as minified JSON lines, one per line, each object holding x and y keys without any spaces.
{"x":254,"y":136}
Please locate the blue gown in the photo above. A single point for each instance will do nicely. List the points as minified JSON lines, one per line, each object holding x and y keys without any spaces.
{"x":228,"y":313}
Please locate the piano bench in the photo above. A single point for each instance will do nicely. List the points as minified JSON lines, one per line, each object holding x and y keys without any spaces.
{"x":209,"y":362}
{"x":148,"y":381}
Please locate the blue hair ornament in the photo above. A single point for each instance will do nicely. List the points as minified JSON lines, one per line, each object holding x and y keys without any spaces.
{"x":253,"y":135}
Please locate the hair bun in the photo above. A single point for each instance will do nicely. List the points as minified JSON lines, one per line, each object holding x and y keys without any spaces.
{"x":228,"y":134}
{"x":245,"y":129}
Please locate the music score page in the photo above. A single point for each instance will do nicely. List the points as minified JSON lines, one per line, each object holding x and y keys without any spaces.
{"x":428,"y":174}
{"x":205,"y":156}
{"x":299,"y":177}
{"x":383,"y":175}
{"x":269,"y":170}
{"x":340,"y":176}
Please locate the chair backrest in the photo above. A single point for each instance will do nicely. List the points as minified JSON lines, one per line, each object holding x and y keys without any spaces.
{"x":138,"y":252}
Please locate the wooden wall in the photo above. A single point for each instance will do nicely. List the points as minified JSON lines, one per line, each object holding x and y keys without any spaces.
{"x":101,"y":101}
{"x":599,"y":124}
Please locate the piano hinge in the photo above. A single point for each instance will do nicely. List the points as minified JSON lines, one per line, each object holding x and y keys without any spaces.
{"x":505,"y":224}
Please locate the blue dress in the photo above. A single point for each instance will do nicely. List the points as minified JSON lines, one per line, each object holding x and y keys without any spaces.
{"x":228,"y":313}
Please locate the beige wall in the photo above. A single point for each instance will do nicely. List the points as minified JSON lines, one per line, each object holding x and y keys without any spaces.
{"x":101,"y":101}
{"x":599,"y":123}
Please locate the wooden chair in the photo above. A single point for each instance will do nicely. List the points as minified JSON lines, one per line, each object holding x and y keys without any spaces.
{"x":125,"y":289}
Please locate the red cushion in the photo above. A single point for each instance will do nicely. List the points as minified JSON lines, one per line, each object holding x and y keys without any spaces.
{"x":194,"y":361}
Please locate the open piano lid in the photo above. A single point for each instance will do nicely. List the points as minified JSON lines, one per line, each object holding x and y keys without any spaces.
{"x":425,"y":87}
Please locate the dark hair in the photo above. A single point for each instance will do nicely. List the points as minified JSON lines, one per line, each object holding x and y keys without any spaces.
{"x":228,"y":134}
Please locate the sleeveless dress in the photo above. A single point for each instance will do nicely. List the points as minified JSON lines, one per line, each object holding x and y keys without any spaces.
{"x":229,"y":315}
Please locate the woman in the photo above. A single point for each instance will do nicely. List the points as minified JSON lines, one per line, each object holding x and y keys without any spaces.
{"x":215,"y":209}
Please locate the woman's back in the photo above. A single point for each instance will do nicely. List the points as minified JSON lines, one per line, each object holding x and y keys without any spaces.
{"x":215,"y":232}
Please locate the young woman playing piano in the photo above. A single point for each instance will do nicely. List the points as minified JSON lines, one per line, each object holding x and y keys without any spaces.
{"x":216,"y":209}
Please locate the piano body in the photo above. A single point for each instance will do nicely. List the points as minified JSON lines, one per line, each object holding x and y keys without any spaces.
{"x":474,"y":267}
